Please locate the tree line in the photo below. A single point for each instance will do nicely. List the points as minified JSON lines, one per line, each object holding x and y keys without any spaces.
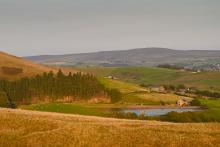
{"x":53,"y":86}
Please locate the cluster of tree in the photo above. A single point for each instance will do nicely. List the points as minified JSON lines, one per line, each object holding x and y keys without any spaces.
{"x":207,"y":93}
{"x":189,"y":117}
{"x":195,"y":102}
{"x":127,"y":115}
{"x":114,"y":94}
{"x":169,"y":66}
{"x":174,"y":88}
{"x":167,"y":87}
{"x":54,"y":86}
{"x":178,"y":67}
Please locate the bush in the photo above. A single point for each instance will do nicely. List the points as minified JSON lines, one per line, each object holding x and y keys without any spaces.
{"x":181,"y":86}
{"x":162,"y":103}
{"x":169,"y":66}
{"x":128,"y":115}
{"x":189,"y":117}
{"x":208,"y":93}
{"x":169,"y":87}
{"x":195,"y":102}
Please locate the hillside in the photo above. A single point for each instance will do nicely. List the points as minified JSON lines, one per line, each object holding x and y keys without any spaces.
{"x":156,"y":76}
{"x":206,"y":59}
{"x":12,"y":67}
{"x":27,"y":128}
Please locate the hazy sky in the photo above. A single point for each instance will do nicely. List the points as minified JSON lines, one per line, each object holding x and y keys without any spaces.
{"x":30,"y":27}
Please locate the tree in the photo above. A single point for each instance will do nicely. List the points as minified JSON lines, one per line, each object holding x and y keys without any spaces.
{"x":195,"y":102}
{"x":3,"y":99}
{"x":115,"y":95}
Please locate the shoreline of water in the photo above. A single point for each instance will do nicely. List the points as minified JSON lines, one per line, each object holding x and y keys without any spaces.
{"x":156,"y":110}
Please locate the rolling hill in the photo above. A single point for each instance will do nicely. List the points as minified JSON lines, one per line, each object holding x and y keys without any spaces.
{"x":208,"y":80}
{"x":206,"y":59}
{"x":12,"y":67}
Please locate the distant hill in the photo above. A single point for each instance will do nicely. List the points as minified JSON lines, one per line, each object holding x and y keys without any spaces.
{"x":12,"y":67}
{"x":207,"y":59}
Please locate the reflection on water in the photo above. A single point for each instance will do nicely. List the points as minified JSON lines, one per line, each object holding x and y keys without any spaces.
{"x":155,"y":112}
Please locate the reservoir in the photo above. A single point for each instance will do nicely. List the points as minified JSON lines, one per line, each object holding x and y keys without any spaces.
{"x":156,"y":111}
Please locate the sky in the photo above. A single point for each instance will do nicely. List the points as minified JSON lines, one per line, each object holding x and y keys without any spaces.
{"x":36,"y":27}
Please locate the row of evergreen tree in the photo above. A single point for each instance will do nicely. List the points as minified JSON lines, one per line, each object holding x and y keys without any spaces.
{"x":54,"y":86}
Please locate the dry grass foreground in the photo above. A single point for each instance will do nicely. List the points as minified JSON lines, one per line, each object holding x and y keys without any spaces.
{"x":28,"y":128}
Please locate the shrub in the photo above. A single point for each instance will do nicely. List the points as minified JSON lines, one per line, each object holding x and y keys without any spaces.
{"x":128,"y":115}
{"x":195,"y":102}
{"x":169,"y":66}
{"x":162,"y":103}
{"x":207,"y":93}
{"x":181,"y":86}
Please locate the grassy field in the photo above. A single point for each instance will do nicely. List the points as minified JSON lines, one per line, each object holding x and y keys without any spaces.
{"x":152,"y":75}
{"x":214,"y":107}
{"x":80,"y":108}
{"x":151,"y":98}
{"x":211,"y":114}
{"x":26,"y":128}
{"x":135,"y":94}
{"x":124,"y":87}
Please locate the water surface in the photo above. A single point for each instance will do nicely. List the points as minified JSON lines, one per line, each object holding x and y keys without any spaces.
{"x":155,"y":112}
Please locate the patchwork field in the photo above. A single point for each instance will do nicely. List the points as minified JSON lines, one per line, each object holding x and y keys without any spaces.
{"x":152,"y":75}
{"x":26,"y":128}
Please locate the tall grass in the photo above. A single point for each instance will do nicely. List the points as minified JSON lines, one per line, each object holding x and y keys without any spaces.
{"x":21,"y":128}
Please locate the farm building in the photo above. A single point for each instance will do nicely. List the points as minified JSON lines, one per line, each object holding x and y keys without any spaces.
{"x":160,"y":89}
{"x":183,"y":102}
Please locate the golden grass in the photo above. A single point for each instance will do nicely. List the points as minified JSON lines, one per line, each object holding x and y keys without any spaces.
{"x":29,"y":68}
{"x":27,"y":128}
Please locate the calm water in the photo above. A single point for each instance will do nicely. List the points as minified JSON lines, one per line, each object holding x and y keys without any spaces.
{"x":155,"y":112}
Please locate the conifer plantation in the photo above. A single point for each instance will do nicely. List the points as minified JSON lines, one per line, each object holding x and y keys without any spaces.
{"x":51,"y":86}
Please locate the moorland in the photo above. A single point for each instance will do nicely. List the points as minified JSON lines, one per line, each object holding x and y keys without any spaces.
{"x":74,"y":103}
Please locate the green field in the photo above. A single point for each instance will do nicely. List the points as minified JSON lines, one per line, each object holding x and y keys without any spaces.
{"x":135,"y":94}
{"x":214,"y":107}
{"x":124,"y":87}
{"x":151,"y":75}
{"x":210,"y":114}
{"x":82,"y":109}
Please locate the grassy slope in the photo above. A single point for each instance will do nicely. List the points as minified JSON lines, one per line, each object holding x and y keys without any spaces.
{"x":124,"y":87}
{"x":26,"y":128}
{"x":134,"y":94}
{"x":28,"y":67}
{"x":128,"y":83}
{"x":149,"y":75}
